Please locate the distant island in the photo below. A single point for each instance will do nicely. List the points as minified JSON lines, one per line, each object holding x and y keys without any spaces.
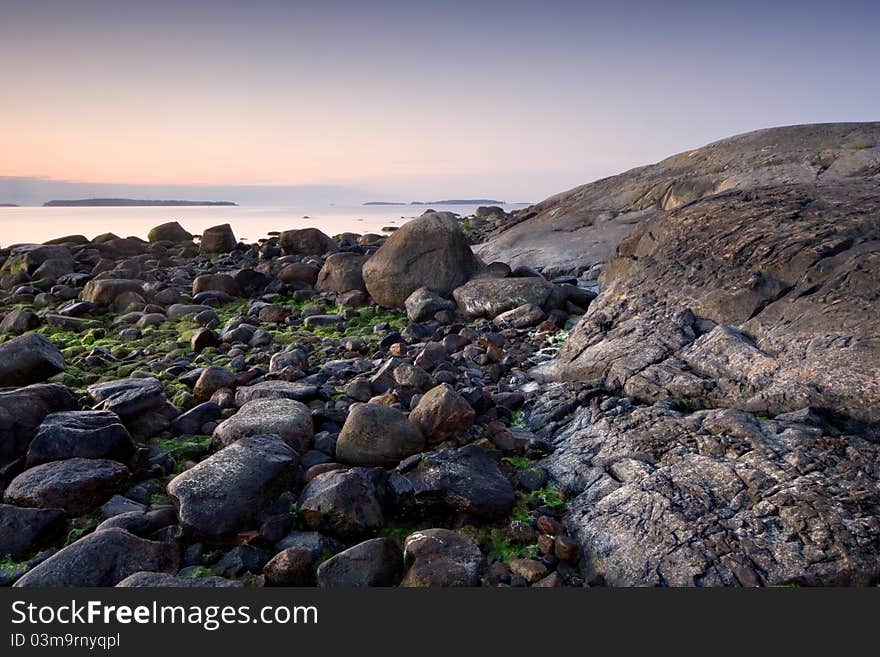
{"x":126,"y":202}
{"x":8,"y":205}
{"x":454,"y":201}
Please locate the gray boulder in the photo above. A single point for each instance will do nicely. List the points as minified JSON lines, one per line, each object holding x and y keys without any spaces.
{"x":377,"y":435}
{"x":276,"y":390}
{"x":441,"y":557}
{"x":87,"y":434}
{"x":442,"y":414}
{"x":376,"y":562}
{"x":343,"y":503}
{"x":287,"y":418}
{"x":23,"y":410}
{"x":145,"y":579}
{"x":422,"y":304}
{"x":489,"y":297}
{"x":218,"y":239}
{"x":307,"y":241}
{"x":169,"y":232}
{"x":430,"y":252}
{"x":25,"y":530}
{"x":27,"y":359}
{"x":341,"y":273}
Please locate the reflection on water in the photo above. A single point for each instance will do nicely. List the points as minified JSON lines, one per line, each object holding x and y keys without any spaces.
{"x":250,"y":223}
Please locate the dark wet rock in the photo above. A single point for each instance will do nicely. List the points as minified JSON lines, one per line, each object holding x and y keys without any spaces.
{"x":25,"y":530}
{"x":146,"y":579}
{"x":294,"y":358}
{"x":321,"y":547}
{"x":412,"y":376}
{"x":23,"y":410}
{"x":377,"y":435}
{"x":223,"y":283}
{"x":463,"y":482}
{"x":76,"y":485}
{"x":142,"y":523}
{"x":442,"y":414}
{"x":298,"y":391}
{"x":787,"y":323}
{"x":140,"y":404}
{"x":441,"y":557}
{"x":212,"y":379}
{"x":341,"y":273}
{"x":343,"y":503}
{"x":299,"y":272}
{"x":103,"y":558}
{"x":717,"y":498}
{"x":241,"y":560}
{"x":191,"y":422}
{"x":19,"y":321}
{"x":307,"y":241}
{"x":489,"y":297}
{"x":169,"y":232}
{"x":218,"y":239}
{"x":287,"y":418}
{"x":87,"y":434}
{"x":29,"y":358}
{"x":106,"y":291}
{"x":423,"y":304}
{"x":430,"y":252}
{"x":251,"y":282}
{"x":376,"y":562}
{"x":225,"y":492}
{"x":294,"y":566}
{"x":202,"y":339}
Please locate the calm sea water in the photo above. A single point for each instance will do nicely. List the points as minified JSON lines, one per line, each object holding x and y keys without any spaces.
{"x":250,"y":223}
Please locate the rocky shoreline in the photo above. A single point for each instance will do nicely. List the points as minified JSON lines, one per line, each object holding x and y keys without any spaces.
{"x":367,"y":410}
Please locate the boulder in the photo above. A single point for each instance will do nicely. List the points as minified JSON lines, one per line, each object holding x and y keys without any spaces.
{"x":489,"y":297}
{"x":23,"y":410}
{"x":86,"y":434}
{"x":103,"y":558}
{"x":140,"y":404}
{"x":25,"y":530}
{"x":307,"y":241}
{"x":521,"y":317}
{"x":376,"y":562}
{"x":76,"y":485}
{"x":422,"y":305}
{"x":343,"y":503}
{"x":19,"y":321}
{"x":441,"y":557}
{"x":377,"y":435}
{"x":216,"y":283}
{"x":341,"y":273}
{"x":106,"y":291}
{"x":291,"y":567}
{"x":29,"y":358}
{"x":169,"y":232}
{"x":276,"y":390}
{"x":212,"y":379}
{"x":287,"y":418}
{"x":463,"y":483}
{"x":430,"y":252}
{"x":218,"y":239}
{"x":299,"y":272}
{"x":191,"y":422}
{"x":146,"y":579}
{"x":225,"y":492}
{"x":442,"y":414}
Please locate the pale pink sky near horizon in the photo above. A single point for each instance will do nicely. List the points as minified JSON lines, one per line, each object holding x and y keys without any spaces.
{"x":484,"y":98}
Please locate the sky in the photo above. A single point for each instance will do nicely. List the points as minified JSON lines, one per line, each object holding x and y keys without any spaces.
{"x":408,"y":100}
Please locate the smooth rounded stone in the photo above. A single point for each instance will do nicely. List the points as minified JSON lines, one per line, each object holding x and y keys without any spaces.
{"x":181,"y":310}
{"x":464,"y":482}
{"x":376,"y":562}
{"x":299,"y":272}
{"x":128,"y":397}
{"x":377,"y":435}
{"x":76,"y":485}
{"x":521,"y":317}
{"x":25,"y":530}
{"x":212,"y":379}
{"x":441,"y":557}
{"x":273,"y":314}
{"x":251,"y":282}
{"x":145,"y":579}
{"x":341,"y":273}
{"x":306,"y":241}
{"x":284,"y":359}
{"x":276,"y":390}
{"x":225,"y":492}
{"x":19,"y":321}
{"x":343,"y":503}
{"x":106,"y":291}
{"x":294,"y":566}
{"x":202,"y":339}
{"x":102,"y":558}
{"x":319,"y":321}
{"x":489,"y":297}
{"x":87,"y":434}
{"x":29,"y":358}
{"x":321,"y":547}
{"x":169,"y":232}
{"x":141,"y":523}
{"x":23,"y":410}
{"x":191,"y":422}
{"x":223,"y":283}
{"x":167,"y":297}
{"x":531,"y":570}
{"x":430,"y":251}
{"x":442,"y":414}
{"x":151,"y":319}
{"x":359,"y":389}
{"x":240,"y":560}
{"x":287,"y":418}
{"x":218,"y":239}
{"x":423,"y":304}
{"x":353,"y":299}
{"x":412,"y":376}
